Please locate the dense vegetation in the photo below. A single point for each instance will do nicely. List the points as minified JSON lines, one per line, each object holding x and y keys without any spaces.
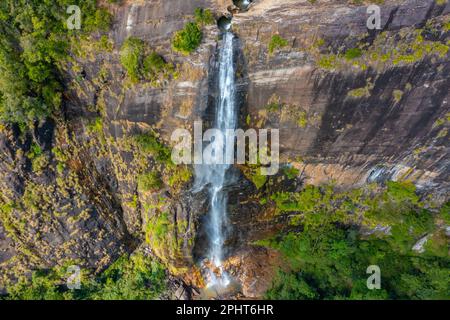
{"x":149,"y":144}
{"x":149,"y":182}
{"x":131,"y":57}
{"x":277,"y":42}
{"x":329,"y":255}
{"x":129,"y":278}
{"x":204,"y":17}
{"x":34,"y":40}
{"x":134,"y":277}
{"x":173,"y":175}
{"x":141,"y":63}
{"x":189,"y":38}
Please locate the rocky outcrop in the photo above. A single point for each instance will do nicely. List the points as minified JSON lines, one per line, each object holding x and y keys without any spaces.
{"x":336,"y":136}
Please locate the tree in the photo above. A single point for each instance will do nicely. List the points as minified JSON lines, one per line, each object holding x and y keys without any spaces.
{"x":187,"y":39}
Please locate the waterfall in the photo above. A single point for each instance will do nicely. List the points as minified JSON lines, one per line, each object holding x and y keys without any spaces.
{"x":213,"y":176}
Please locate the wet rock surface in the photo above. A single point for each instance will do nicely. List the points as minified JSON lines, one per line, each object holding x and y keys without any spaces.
{"x":255,"y":268}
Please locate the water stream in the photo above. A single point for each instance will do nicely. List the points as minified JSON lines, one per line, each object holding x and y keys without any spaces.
{"x":214,"y":176}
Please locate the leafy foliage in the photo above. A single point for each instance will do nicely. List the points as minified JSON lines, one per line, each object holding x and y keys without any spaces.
{"x":277,"y":42}
{"x":42,"y":286}
{"x":154,"y":66}
{"x":291,"y":172}
{"x":131,"y":56}
{"x":179,"y":176}
{"x":149,"y":181}
{"x":187,"y":39}
{"x":157,"y":230}
{"x":291,"y":286}
{"x":133,"y":277}
{"x":154,"y":63}
{"x":148,"y":143}
{"x":96,"y":126}
{"x":204,"y":17}
{"x":353,"y":53}
{"x":172,"y":175}
{"x":253,"y":173}
{"x":328,"y":260}
{"x":139,"y":65}
{"x":33,"y":41}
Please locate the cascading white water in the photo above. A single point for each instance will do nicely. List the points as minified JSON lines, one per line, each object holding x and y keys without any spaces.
{"x":213,"y":176}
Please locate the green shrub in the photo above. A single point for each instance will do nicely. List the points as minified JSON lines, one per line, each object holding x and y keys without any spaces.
{"x":402,"y":192}
{"x":204,"y":17}
{"x":104,"y":44}
{"x":149,"y":182}
{"x":188,"y":39}
{"x":43,"y":285}
{"x":60,"y":166}
{"x":353,"y":53}
{"x":179,"y":176}
{"x":302,"y":120}
{"x":154,"y":63}
{"x":148,"y":143}
{"x":131,"y":278}
{"x":328,"y":62}
{"x":155,"y":67}
{"x":258,"y":179}
{"x":290,"y":286}
{"x":273,"y":106}
{"x":138,"y":65}
{"x":445,"y":213}
{"x":157,"y":230}
{"x":39,"y":163}
{"x":277,"y":42}
{"x":131,"y":56}
{"x":134,"y":277}
{"x":96,"y":126}
{"x":291,"y":172}
{"x":35,"y":151}
{"x":329,"y":258}
{"x":100,"y":20}
{"x":34,"y":41}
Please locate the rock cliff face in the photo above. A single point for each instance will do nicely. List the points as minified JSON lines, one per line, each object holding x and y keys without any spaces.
{"x":341,"y":120}
{"x":330,"y":134}
{"x":342,"y":137}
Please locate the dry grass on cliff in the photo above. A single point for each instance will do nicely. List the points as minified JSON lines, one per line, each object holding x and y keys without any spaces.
{"x":189,"y":72}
